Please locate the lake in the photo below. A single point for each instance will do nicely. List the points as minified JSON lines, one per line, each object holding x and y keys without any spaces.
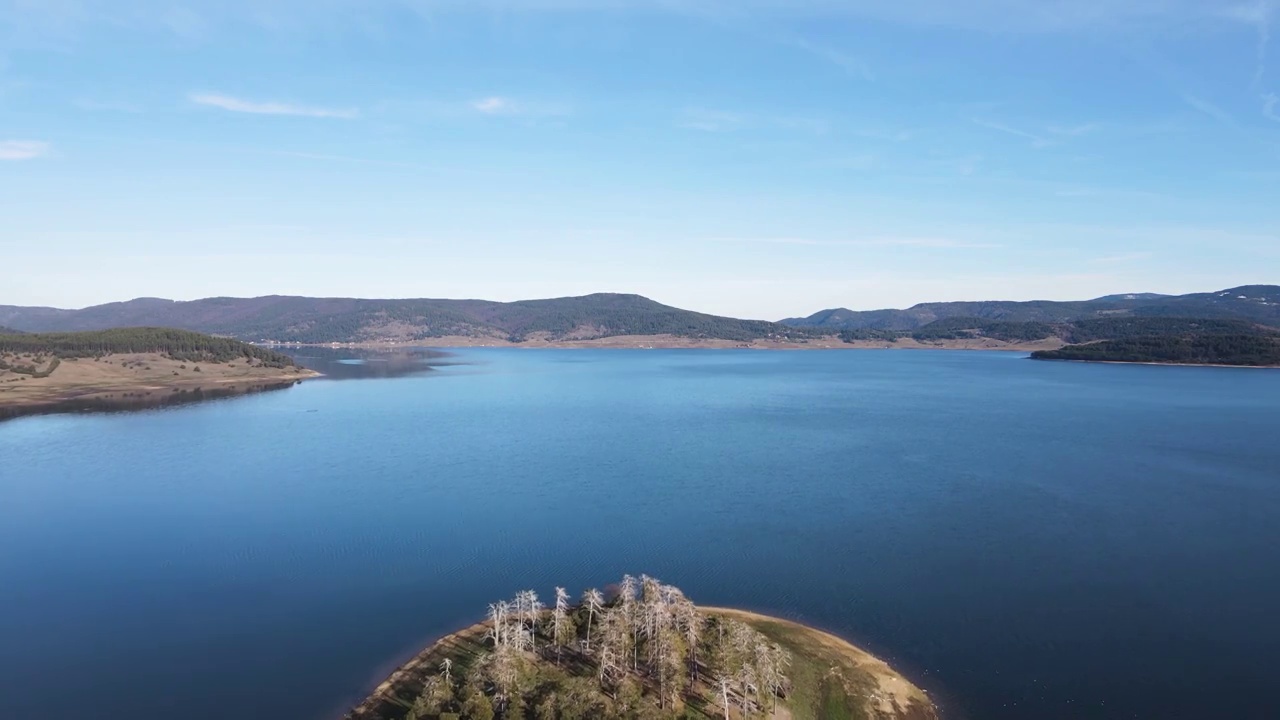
{"x":1024,"y":539}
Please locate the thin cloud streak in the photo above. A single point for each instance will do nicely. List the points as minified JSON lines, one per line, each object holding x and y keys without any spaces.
{"x":500,"y":105}
{"x":1269,"y":102}
{"x":1036,"y":140}
{"x":1074,"y":130}
{"x":492,"y":105}
{"x":937,"y":243}
{"x":841,"y":59}
{"x":239,"y":105}
{"x":67,"y":21}
{"x":1122,"y":258}
{"x":1208,"y":108}
{"x":1259,"y":16}
{"x":345,"y":159}
{"x":710,"y":120}
{"x":22,"y":149}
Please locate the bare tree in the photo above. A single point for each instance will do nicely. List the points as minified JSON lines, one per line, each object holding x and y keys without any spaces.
{"x":627,"y":604}
{"x":595,"y":603}
{"x":724,"y":696}
{"x":528,"y":609}
{"x":498,"y":621}
{"x":615,"y":639}
{"x":559,"y":620}
{"x":691,"y":624}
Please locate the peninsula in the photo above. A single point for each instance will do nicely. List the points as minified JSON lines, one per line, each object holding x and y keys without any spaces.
{"x":131,"y":367}
{"x":642,"y":650}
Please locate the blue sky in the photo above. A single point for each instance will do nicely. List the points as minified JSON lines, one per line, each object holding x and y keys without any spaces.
{"x":759,"y":158}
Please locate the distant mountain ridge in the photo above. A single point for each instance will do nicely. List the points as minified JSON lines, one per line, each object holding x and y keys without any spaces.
{"x":1253,"y":303}
{"x":602,"y":315}
{"x":324,"y":320}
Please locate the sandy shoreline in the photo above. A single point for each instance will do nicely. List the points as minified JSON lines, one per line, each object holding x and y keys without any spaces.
{"x":669,"y":342}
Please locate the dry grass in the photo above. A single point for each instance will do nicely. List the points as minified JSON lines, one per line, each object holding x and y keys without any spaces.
{"x":834,"y":679}
{"x":129,"y":377}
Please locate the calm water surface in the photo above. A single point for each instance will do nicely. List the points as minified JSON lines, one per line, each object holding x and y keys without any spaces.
{"x":1030,"y":540}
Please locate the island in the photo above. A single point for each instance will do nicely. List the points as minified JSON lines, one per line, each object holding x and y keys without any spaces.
{"x":640,"y":650}
{"x":132,"y":367}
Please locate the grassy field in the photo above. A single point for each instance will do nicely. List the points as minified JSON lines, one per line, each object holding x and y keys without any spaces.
{"x":834,"y":680}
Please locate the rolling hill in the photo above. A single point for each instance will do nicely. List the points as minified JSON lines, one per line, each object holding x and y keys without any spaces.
{"x":1254,"y":303}
{"x":323,"y":320}
{"x":1238,"y":311}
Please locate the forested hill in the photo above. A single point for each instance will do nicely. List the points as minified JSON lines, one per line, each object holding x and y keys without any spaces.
{"x":176,"y":344}
{"x":1243,"y":350}
{"x":1254,"y":303}
{"x":9,"y":331}
{"x":322,"y":320}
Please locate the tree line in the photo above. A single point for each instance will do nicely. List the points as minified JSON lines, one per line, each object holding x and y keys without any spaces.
{"x":177,"y":344}
{"x":1126,"y":327}
{"x":1244,"y":350}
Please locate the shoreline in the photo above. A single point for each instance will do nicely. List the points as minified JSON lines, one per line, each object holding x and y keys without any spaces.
{"x":1159,"y":364}
{"x":668,"y":342}
{"x":137,"y":381}
{"x":894,"y":685}
{"x":626,"y":343}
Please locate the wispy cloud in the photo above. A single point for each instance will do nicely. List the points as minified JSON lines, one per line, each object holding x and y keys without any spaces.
{"x":344,"y":159}
{"x":864,"y":161}
{"x":1269,"y":103}
{"x":1106,"y":193}
{"x":68,"y":18}
{"x":1074,"y":130}
{"x":1208,"y":108}
{"x":493,"y":105}
{"x":899,"y":135}
{"x":501,"y":105}
{"x":1257,"y":14}
{"x":710,"y":120}
{"x":937,"y":243}
{"x":106,"y":106}
{"x":1036,"y":140}
{"x":22,"y":149}
{"x":1122,"y":258}
{"x":718,"y":121}
{"x":234,"y":104}
{"x":845,"y":61}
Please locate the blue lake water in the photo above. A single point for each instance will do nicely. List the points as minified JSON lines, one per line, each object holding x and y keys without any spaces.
{"x":1025,"y":539}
